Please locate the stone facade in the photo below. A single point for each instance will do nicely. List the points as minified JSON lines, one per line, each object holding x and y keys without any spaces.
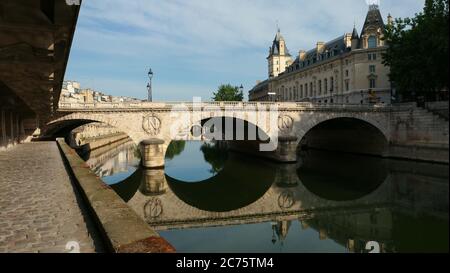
{"x":346,"y":70}
{"x":86,"y":133}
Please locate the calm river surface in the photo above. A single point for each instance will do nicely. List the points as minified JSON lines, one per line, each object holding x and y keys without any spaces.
{"x":210,"y":200}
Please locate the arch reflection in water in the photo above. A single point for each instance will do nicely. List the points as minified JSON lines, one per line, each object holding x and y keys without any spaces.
{"x":234,"y":182}
{"x":340,"y":177}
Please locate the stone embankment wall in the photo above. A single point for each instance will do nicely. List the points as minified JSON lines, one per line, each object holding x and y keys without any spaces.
{"x":122,"y":229}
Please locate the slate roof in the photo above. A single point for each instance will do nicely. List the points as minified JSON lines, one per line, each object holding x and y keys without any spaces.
{"x":374,"y":20}
{"x":275,"y":49}
{"x":331,"y":49}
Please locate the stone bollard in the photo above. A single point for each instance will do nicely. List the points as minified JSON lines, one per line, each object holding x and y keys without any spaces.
{"x":152,"y":153}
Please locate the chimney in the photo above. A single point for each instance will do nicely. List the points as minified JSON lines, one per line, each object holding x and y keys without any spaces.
{"x":390,"y":20}
{"x":348,"y":40}
{"x":302,"y":55}
{"x":320,"y":47}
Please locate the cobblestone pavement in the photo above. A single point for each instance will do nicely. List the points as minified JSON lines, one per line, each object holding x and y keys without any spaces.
{"x":40,"y":210}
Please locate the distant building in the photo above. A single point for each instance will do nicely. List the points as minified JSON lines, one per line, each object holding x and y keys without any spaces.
{"x":71,"y":86}
{"x":72,"y":93}
{"x":347,"y":69}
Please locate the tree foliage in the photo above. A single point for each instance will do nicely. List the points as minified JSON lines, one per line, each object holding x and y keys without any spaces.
{"x":227,"y":92}
{"x":215,"y":155}
{"x":418,"y":51}
{"x":175,"y":148}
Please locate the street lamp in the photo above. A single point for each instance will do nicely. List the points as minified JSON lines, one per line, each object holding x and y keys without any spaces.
{"x":149,"y":84}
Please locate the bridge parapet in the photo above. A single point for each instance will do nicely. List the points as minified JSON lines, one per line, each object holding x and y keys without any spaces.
{"x":286,"y":106}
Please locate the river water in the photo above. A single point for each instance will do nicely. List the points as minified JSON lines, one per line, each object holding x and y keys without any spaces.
{"x":207,"y":199}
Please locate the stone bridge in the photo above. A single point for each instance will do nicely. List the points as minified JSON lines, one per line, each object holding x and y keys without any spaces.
{"x":273,"y":130}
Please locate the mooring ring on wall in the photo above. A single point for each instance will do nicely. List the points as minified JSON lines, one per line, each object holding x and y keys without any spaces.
{"x":151,"y":124}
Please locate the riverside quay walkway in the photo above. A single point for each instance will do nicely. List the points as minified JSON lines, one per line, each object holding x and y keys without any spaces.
{"x":41,"y":210}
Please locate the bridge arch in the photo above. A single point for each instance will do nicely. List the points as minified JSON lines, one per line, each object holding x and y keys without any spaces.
{"x":64,"y":125}
{"x":344,"y":133}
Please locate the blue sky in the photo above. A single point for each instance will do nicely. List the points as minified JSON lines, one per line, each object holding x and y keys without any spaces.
{"x":193,"y":46}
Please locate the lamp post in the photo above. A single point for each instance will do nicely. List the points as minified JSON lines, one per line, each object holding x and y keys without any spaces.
{"x":149,"y":84}
{"x":241,"y":88}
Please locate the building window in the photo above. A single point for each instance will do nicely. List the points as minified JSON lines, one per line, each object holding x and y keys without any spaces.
{"x":372,"y":56}
{"x":331,"y":84}
{"x":372,"y":83}
{"x":306,"y":89}
{"x":326,"y":85}
{"x":301,"y":91}
{"x":346,"y":73}
{"x":347,"y":85}
{"x":311,"y":89}
{"x":320,"y":87}
{"x":372,"y":42}
{"x":372,"y":68}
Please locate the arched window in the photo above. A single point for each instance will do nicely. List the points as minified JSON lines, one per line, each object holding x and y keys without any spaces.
{"x":372,"y":42}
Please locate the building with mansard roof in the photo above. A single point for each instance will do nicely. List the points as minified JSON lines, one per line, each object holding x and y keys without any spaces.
{"x":347,"y":69}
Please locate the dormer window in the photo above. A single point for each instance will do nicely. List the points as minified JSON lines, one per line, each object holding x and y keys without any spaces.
{"x":372,"y":41}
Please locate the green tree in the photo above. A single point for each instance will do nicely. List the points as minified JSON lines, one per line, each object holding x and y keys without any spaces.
{"x":215,"y":155}
{"x":418,"y":51}
{"x":175,"y":148}
{"x":227,"y":92}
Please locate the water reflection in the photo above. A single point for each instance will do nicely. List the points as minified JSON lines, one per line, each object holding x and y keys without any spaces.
{"x":252,"y":205}
{"x":337,"y":176}
{"x":194,"y":161}
{"x":114,"y":163}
